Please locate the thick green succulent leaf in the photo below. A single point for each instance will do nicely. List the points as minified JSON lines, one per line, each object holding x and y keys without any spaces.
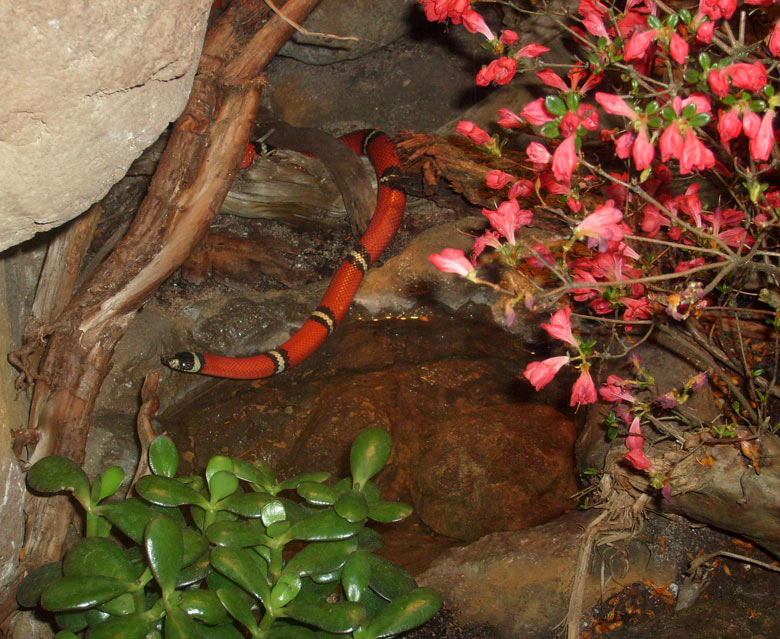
{"x":259,"y":473}
{"x":224,"y":631}
{"x":331,"y":617}
{"x":203,"y":605}
{"x":388,"y":579}
{"x":222,"y":484}
{"x":409,"y":611}
{"x":369,"y":454}
{"x":54,"y":474}
{"x":179,"y":625}
{"x":289,"y":631}
{"x":240,"y":566}
{"x":194,"y":545}
{"x":388,"y":512}
{"x":75,"y":620}
{"x":241,"y":534}
{"x":327,"y":577}
{"x":317,"y":494}
{"x":216,"y":464}
{"x":110,"y":481}
{"x":29,"y":593}
{"x":371,"y":492}
{"x":95,"y":617}
{"x":321,"y":557}
{"x":284,"y":591}
{"x":273,"y":512}
{"x":294,"y":482}
{"x":98,"y":556}
{"x":238,"y":608}
{"x":163,"y":456}
{"x":131,"y":516}
{"x":355,"y":575}
{"x":133,"y":626}
{"x":164,"y":550}
{"x":369,"y":539}
{"x":352,"y":506}
{"x":121,"y":605}
{"x":325,"y":525}
{"x":76,"y":593}
{"x":165,"y":491}
{"x":196,"y":571}
{"x":248,"y":504}
{"x":66,"y":634}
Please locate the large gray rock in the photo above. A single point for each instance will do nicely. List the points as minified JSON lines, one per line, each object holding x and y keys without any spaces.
{"x":87,"y":87}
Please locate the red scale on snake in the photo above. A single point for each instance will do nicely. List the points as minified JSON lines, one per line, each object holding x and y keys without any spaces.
{"x":390,"y":206}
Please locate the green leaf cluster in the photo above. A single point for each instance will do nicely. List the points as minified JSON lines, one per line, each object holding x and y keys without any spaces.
{"x":229,"y":557}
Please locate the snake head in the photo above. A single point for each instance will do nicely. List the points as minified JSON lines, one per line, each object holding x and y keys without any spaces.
{"x":185,"y":362}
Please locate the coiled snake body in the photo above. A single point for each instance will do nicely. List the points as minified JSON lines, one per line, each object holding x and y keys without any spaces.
{"x":391,"y":202}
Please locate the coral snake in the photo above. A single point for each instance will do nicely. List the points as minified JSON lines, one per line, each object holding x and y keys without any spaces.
{"x":335,"y":304}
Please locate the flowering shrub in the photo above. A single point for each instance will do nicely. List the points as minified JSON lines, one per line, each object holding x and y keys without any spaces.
{"x":657,"y":159}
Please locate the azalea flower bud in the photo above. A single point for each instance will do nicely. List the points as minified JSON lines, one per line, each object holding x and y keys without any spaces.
{"x":542,"y":373}
{"x":774,"y":40}
{"x":643,"y":152}
{"x":747,"y":76}
{"x":497,"y":179}
{"x":508,"y":37}
{"x":509,"y":118}
{"x":565,"y":160}
{"x":452,"y":261}
{"x":532,"y":50}
{"x":678,"y":48}
{"x":615,"y":105}
{"x":638,"y":44}
{"x":472,"y":132}
{"x":538,"y":153}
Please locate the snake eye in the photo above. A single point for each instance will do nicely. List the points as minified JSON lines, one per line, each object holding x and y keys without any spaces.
{"x":186,"y":362}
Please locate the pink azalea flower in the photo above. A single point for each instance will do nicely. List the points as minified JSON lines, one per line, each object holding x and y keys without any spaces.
{"x":653,"y":221}
{"x":497,"y":179}
{"x":762,"y":142}
{"x":615,"y":105}
{"x":545,"y":258}
{"x":538,"y":153}
{"x":670,"y":142}
{"x":508,"y":218}
{"x":560,"y":326}
{"x":636,"y":308}
{"x":615,"y":390}
{"x":602,"y":225}
{"x":442,"y":10}
{"x":584,"y":390}
{"x":535,"y":113}
{"x":638,"y":43}
{"x":565,"y":160}
{"x":747,"y":76}
{"x":634,"y":439}
{"x":594,"y":24}
{"x":678,"y":48}
{"x":532,"y":50}
{"x":715,"y":9}
{"x":472,"y":132}
{"x":488,"y":238}
{"x":475,"y":23}
{"x":552,"y":79}
{"x":508,"y":37}
{"x":624,"y":144}
{"x":729,"y":125}
{"x":705,"y":31}
{"x":521,"y":188}
{"x":719,"y":82}
{"x":509,"y":118}
{"x":644,"y":151}
{"x":638,"y":459}
{"x":635,"y":442}
{"x":542,"y":373}
{"x":774,"y":40}
{"x":499,"y":71}
{"x":452,"y":261}
{"x":695,"y":155}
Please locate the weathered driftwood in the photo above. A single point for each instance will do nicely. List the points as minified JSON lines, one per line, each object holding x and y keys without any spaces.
{"x":189,"y":186}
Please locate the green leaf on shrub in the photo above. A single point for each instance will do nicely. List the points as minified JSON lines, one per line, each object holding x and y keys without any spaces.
{"x":389,"y":580}
{"x":406,"y":612}
{"x":75,"y":620}
{"x":700,"y":119}
{"x":163,"y":456}
{"x":322,"y":526}
{"x":246,"y":505}
{"x":259,"y":473}
{"x":370,"y":452}
{"x":194,"y":545}
{"x":164,"y":549}
{"x":279,"y":631}
{"x":224,"y":631}
{"x":241,"y":534}
{"x":110,"y":481}
{"x":352,"y":506}
{"x":196,"y":571}
{"x":178,"y":625}
{"x":133,"y":626}
{"x":216,"y":464}
{"x":75,"y":593}
{"x":66,"y":634}
{"x":317,"y":494}
{"x":273,"y":512}
{"x":284,"y":591}
{"x":165,"y":491}
{"x":130,"y":516}
{"x":239,"y":566}
{"x":388,"y":512}
{"x":369,"y":539}
{"x":203,"y":605}
{"x":98,"y":556}
{"x":53,"y":474}
{"x":555,"y":105}
{"x":237,"y":607}
{"x":338,"y":617}
{"x":294,"y":482}
{"x":355,"y":575}
{"x":222,"y":484}
{"x":29,"y":593}
{"x":121,"y":605}
{"x":321,"y":557}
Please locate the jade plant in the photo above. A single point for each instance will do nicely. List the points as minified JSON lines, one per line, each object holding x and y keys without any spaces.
{"x":237,"y":555}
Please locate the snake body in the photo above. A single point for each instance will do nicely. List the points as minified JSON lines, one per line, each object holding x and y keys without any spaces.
{"x":335,"y":304}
